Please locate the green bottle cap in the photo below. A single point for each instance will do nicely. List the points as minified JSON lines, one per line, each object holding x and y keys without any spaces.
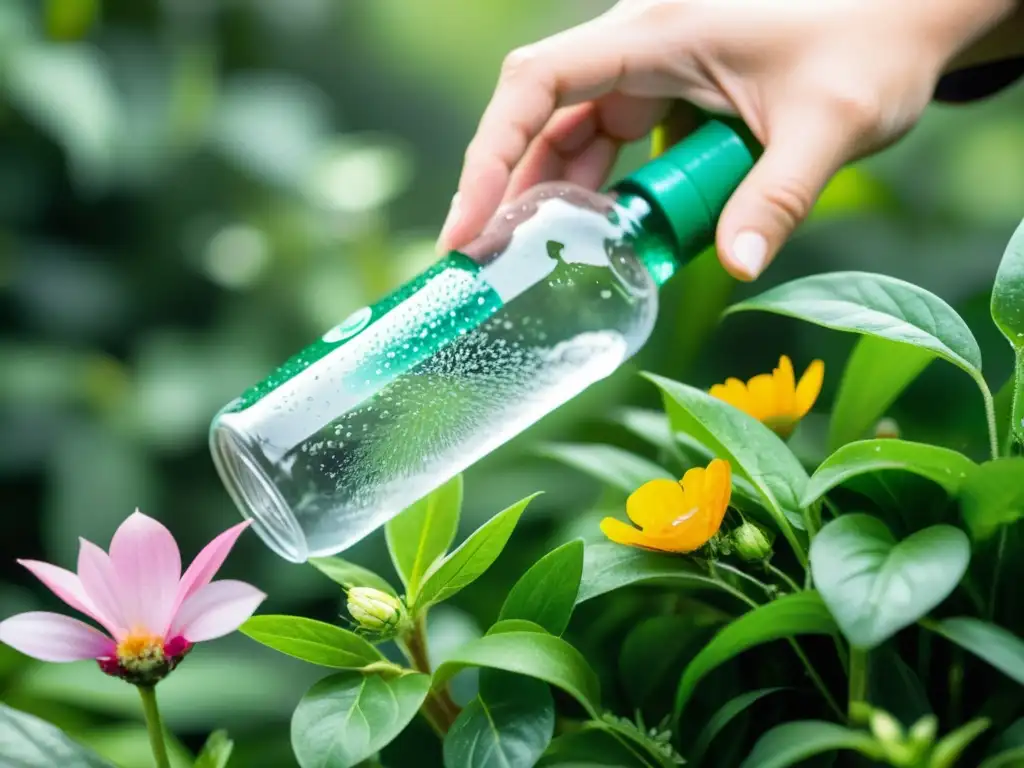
{"x":690,"y":183}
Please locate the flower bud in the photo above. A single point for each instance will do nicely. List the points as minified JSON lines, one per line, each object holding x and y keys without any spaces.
{"x":887,"y":428}
{"x":885,"y":728}
{"x":376,"y":611}
{"x":751,"y":542}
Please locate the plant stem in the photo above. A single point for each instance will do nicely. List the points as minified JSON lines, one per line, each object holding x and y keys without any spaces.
{"x":782,"y":575}
{"x":858,"y":678}
{"x":990,"y":417}
{"x":768,"y":589}
{"x":154,"y":725}
{"x":996,"y":569}
{"x":438,"y":708}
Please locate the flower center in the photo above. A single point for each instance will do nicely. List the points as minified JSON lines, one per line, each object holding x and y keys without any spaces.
{"x":141,"y":652}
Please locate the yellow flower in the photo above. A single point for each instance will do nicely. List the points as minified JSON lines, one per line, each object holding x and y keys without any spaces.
{"x":675,"y":516}
{"x":775,"y":399}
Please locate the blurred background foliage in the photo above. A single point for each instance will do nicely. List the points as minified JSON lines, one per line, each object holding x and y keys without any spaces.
{"x":191,"y":190}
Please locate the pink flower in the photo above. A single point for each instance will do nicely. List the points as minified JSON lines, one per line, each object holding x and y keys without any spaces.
{"x":151,"y":612}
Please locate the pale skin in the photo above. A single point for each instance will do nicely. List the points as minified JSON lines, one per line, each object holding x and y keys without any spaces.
{"x":819,"y":83}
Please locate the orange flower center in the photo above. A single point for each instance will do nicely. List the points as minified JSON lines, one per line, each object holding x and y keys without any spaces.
{"x":141,"y":652}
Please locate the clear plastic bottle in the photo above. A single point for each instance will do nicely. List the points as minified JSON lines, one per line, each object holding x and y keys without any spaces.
{"x":558,"y":291}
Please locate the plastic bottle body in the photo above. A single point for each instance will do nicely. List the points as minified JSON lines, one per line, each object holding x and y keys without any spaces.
{"x":554,"y":295}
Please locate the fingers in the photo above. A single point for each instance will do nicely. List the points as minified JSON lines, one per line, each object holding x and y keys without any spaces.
{"x":802,"y":154}
{"x":574,"y":66}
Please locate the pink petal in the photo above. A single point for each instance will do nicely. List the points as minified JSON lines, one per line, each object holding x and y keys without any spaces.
{"x":207,"y":563}
{"x":52,"y":637}
{"x":99,"y":580}
{"x":64,"y":584}
{"x":148,"y":565}
{"x":216,"y":609}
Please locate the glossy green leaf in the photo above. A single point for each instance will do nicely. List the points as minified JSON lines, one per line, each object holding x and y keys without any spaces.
{"x":608,"y":566}
{"x":515,"y":625}
{"x":216,"y":751}
{"x":533,"y":654}
{"x":613,"y":466}
{"x":989,"y":642}
{"x":422,"y":533}
{"x":1008,"y":314}
{"x":940,"y":465}
{"x":876,"y":373}
{"x":474,"y":556}
{"x":547,"y":592}
{"x":800,"y":613}
{"x":650,"y":426}
{"x":875,"y":305}
{"x":725,"y":715}
{"x":993,"y":496}
{"x":1010,"y":758}
{"x":792,"y":743}
{"x":28,"y":742}
{"x":314,"y":641}
{"x":655,"y":752}
{"x":947,"y":751}
{"x":509,"y":723}
{"x":756,"y":453}
{"x":347,"y":717}
{"x":876,"y":586}
{"x":350,"y":575}
{"x":591,"y":748}
{"x":654,"y":651}
{"x":895,"y":687}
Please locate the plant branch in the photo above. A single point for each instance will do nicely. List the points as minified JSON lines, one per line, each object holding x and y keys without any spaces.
{"x":858,"y":679}
{"x":769,"y":589}
{"x":155,"y":726}
{"x":996,"y":570}
{"x":438,"y":708}
{"x":782,"y":575}
{"x":990,"y":416}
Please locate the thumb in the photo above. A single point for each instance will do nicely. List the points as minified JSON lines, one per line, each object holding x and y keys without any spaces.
{"x":799,"y":159}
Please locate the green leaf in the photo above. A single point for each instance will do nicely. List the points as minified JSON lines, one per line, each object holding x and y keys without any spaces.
{"x":756,"y":453}
{"x":547,"y":592}
{"x":725,"y":715}
{"x":1010,"y":758}
{"x":515,"y":625}
{"x":533,"y":654}
{"x":949,"y":749}
{"x":650,"y":426}
{"x":654,"y":651}
{"x":612,"y":466}
{"x":608,"y":566}
{"x":790,"y":743}
{"x":874,"y":305}
{"x":314,"y":641}
{"x":350,"y":575}
{"x":876,"y":373}
{"x":800,"y":613}
{"x":422,"y":533}
{"x":28,"y":742}
{"x":347,"y":717}
{"x":993,"y":644}
{"x":993,"y":496}
{"x":941,"y":465}
{"x":509,"y":723}
{"x":216,"y":752}
{"x":875,"y":586}
{"x":1008,"y":314}
{"x":476,"y":554}
{"x":591,"y":748}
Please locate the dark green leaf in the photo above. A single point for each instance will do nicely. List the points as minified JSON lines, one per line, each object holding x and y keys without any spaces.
{"x":1010,"y":758}
{"x":591,"y":748}
{"x":657,"y":648}
{"x":875,"y":586}
{"x":800,"y":613}
{"x":941,"y":465}
{"x":948,"y":750}
{"x":1008,"y":314}
{"x":725,"y":715}
{"x":791,"y":743}
{"x":547,"y":592}
{"x":314,"y":641}
{"x":476,"y":554}
{"x":510,"y":723}
{"x":895,"y":687}
{"x":608,"y":566}
{"x":350,"y":575}
{"x":613,"y":466}
{"x":756,"y":453}
{"x":533,"y":654}
{"x":999,"y":647}
{"x":422,"y":533}
{"x":515,"y":625}
{"x":876,"y":373}
{"x":993,"y":496}
{"x":347,"y":717}
{"x":28,"y":742}
{"x":216,"y":752}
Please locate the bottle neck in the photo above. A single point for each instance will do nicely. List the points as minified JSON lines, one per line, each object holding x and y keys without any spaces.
{"x":650,"y":235}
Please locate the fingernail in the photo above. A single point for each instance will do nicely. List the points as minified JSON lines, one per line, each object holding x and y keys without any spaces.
{"x":449,"y":222}
{"x":750,"y":252}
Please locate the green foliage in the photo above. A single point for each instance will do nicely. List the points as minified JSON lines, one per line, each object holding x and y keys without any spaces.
{"x":996,"y":645}
{"x":216,"y":752}
{"x":547,"y":592}
{"x":312,"y":641}
{"x":28,"y":742}
{"x":421,"y":534}
{"x":792,"y":743}
{"x":1008,"y":314}
{"x":350,"y":575}
{"x":993,"y":496}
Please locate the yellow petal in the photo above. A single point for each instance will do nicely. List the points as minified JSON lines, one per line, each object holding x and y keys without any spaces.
{"x":809,"y":388}
{"x":693,"y":487}
{"x":688,"y":538}
{"x":656,"y":503}
{"x":718,"y":492}
{"x":734,"y":392}
{"x":621,"y":533}
{"x":785,"y":386}
{"x":762,"y":396}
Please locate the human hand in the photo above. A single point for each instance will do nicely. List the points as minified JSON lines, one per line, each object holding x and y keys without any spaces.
{"x":818,"y":82}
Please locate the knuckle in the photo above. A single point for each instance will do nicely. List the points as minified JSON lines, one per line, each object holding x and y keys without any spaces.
{"x":861,"y":111}
{"x":518,"y":62}
{"x":791,"y":198}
